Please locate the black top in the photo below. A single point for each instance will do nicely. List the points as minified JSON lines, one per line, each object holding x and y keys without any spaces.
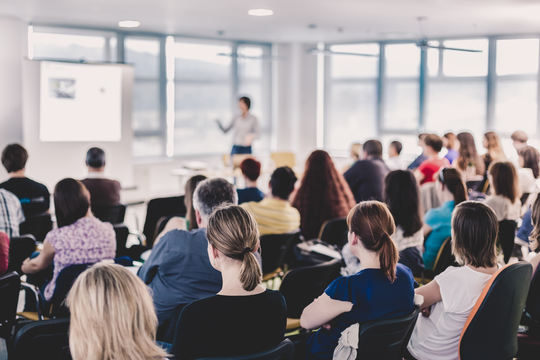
{"x":103,"y":192}
{"x":230,"y":326}
{"x":366,"y":179}
{"x":34,"y":197}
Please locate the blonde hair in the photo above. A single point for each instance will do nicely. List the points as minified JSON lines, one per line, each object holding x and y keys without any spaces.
{"x":494,"y":147}
{"x":233,"y":232}
{"x":112,"y":316}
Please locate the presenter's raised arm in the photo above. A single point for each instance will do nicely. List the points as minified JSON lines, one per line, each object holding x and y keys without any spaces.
{"x":225,"y":129}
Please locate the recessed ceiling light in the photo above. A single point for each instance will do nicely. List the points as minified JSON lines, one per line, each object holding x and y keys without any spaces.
{"x":260,"y":12}
{"x":129,"y":24}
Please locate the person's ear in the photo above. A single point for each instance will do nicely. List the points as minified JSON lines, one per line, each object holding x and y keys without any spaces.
{"x":270,"y":185}
{"x":353,"y":238}
{"x":198,"y":217}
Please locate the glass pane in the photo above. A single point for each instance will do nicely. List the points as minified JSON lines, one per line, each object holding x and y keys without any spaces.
{"x":516,"y":57}
{"x":515,"y":106}
{"x":69,"y":47}
{"x":352,"y":66}
{"x":456,"y":106}
{"x":202,"y":61}
{"x":144,"y":54}
{"x":147,"y":146}
{"x":462,"y":63}
{"x":402,"y":60}
{"x":433,"y":59}
{"x":401,"y":104}
{"x":250,"y":66}
{"x":410,"y":145}
{"x":351,"y":114}
{"x":146,"y":105}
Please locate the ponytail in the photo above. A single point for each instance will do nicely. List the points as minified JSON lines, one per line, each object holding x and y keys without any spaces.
{"x":388,"y":257}
{"x":250,"y":273}
{"x":451,"y":178}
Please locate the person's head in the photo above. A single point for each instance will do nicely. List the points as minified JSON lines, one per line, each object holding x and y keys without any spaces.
{"x":244,"y":103}
{"x":474,"y":234}
{"x":232,"y":239}
{"x":519,"y":139}
{"x":433,"y":144}
{"x":535,"y":220}
{"x":190,"y":187}
{"x":14,"y":157}
{"x":282,"y":182}
{"x":529,"y":158}
{"x":421,"y":138}
{"x":209,"y":194}
{"x":356,"y":151}
{"x":451,"y":181}
{"x":395,"y":149}
{"x":251,"y":169}
{"x":449,"y":140}
{"x":468,"y":156}
{"x":71,"y":201}
{"x":112,"y":316}
{"x":95,"y":158}
{"x":504,"y":179}
{"x":372,"y":149}
{"x":492,"y":143}
{"x":370,"y":226}
{"x":402,"y":195}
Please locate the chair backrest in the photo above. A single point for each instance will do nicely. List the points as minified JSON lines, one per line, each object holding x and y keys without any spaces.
{"x":302,"y":285}
{"x":10,"y":285}
{"x":19,"y":249}
{"x":386,"y":339}
{"x":161,"y":207}
{"x":334,"y":232}
{"x":43,"y":340}
{"x":122,"y":233}
{"x":533,"y":298}
{"x":507,"y":234}
{"x":64,"y":282}
{"x":274,"y":247}
{"x":38,"y":225}
{"x":114,"y":214}
{"x":444,"y":258}
{"x":284,"y":159}
{"x":283,"y":351}
{"x":491,"y":328}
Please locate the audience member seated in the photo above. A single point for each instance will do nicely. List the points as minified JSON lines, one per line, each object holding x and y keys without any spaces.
{"x":495,"y":152}
{"x":11,"y":213}
{"x":449,"y":142}
{"x":366,"y":177}
{"x":4,"y":252}
{"x":34,"y":197}
{"x":437,"y":222}
{"x":469,"y":162}
{"x":519,"y":139}
{"x":178,"y":270}
{"x":505,"y":184}
{"x":112,"y":316}
{"x":383,"y":289}
{"x":534,"y":235}
{"x":524,"y":232}
{"x":323,"y":194}
{"x":529,"y":169}
{"x":274,"y":214}
{"x":190,"y":221}
{"x":104,"y":192}
{"x":79,"y":239}
{"x":432,"y":146}
{"x":450,"y":297}
{"x":251,"y":170}
{"x":421,"y":158}
{"x":243,"y":317}
{"x":395,"y":162}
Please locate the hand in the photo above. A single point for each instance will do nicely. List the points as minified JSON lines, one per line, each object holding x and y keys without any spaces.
{"x":327,"y":327}
{"x":426,"y":312}
{"x":25,"y":265}
{"x":217,"y":121}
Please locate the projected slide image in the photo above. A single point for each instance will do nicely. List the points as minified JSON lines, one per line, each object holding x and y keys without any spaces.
{"x":62,"y":88}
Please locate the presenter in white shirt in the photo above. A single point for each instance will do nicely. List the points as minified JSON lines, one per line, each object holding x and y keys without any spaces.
{"x":246,"y":128}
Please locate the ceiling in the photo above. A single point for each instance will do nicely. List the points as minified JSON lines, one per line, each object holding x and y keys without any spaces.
{"x":335,"y":20}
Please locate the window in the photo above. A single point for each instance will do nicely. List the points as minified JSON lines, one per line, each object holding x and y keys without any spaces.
{"x":462,"y":63}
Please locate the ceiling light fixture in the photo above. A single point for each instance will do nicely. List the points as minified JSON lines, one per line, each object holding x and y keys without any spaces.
{"x":260,"y":12}
{"x":129,"y":24}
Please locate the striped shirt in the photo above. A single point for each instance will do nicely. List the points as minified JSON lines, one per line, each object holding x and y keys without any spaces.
{"x":274,"y":216}
{"x":11,"y":214}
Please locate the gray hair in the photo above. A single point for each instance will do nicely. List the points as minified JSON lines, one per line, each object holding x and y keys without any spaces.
{"x":211,"y":193}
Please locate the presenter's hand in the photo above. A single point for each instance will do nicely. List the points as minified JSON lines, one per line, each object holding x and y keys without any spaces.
{"x":217,"y":121}
{"x":248,"y":140}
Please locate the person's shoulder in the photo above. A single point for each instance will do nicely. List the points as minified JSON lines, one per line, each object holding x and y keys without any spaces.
{"x":403,"y":271}
{"x":451,"y":273}
{"x":8,"y":195}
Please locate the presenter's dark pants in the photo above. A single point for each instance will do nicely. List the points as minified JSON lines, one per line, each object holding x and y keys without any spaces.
{"x":237,"y":149}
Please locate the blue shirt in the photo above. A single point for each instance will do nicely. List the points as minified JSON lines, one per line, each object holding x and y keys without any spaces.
{"x":178,"y":271}
{"x":451,"y":155}
{"x":526,"y":227}
{"x":440,"y":221}
{"x":373,"y":297}
{"x":249,"y":194}
{"x":416,"y":163}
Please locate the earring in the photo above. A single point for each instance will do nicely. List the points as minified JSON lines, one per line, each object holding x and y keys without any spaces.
{"x":214,"y":262}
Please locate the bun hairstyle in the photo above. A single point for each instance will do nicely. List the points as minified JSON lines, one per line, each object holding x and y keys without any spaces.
{"x":233,"y":232}
{"x":373,"y":223}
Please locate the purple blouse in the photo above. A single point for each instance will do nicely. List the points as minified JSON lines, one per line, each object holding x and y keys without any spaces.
{"x":86,"y":241}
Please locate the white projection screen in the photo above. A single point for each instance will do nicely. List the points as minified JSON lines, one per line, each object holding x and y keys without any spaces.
{"x":80,"y":102}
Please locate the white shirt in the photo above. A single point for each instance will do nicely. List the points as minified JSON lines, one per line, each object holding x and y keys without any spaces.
{"x":437,"y":336}
{"x":503,"y":208}
{"x":396,"y":163}
{"x":527,"y":180}
{"x":243,"y":127}
{"x":402,"y":243}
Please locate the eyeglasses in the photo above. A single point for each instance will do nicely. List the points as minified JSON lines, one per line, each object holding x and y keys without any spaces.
{"x":442,"y":175}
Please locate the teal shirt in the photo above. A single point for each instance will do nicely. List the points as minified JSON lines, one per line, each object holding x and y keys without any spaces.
{"x":440,"y":221}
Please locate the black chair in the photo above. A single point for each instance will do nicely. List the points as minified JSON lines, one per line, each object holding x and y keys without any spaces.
{"x":43,"y":340}
{"x":113,"y":214}
{"x":64,"y":282}
{"x":507,"y":234}
{"x":444,"y":260}
{"x":157,"y":208}
{"x":65,"y":354}
{"x":274,"y":247}
{"x":19,"y":249}
{"x":386,"y":339}
{"x":529,"y":341}
{"x":10,"y":285}
{"x":334,"y":232}
{"x":283,"y":351}
{"x":122,"y":233}
{"x":38,"y":225}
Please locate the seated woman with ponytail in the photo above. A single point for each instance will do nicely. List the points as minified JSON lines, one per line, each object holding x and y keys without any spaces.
{"x":383,"y":289}
{"x":244,"y":317}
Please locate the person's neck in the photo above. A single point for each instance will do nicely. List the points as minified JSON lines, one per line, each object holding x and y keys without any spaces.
{"x":250,"y":183}
{"x":485,"y":270}
{"x":245,"y":114}
{"x":372,"y":157}
{"x":232,"y":285}
{"x":17,"y":174}
{"x":270,"y":196}
{"x":393,"y":156}
{"x":447,"y":196}
{"x":432,"y":155}
{"x":94,"y":170}
{"x":369,"y":260}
